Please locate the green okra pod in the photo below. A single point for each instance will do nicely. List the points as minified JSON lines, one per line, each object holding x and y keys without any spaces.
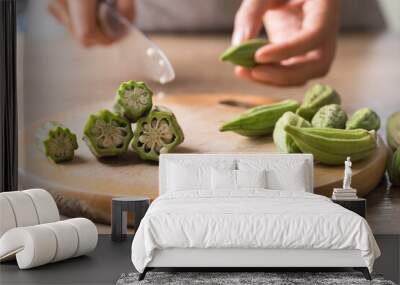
{"x":107,"y":134}
{"x":156,"y":133}
{"x":133,"y":100}
{"x":393,"y":130}
{"x":56,"y":141}
{"x":260,"y":120}
{"x":364,"y":118}
{"x":316,"y":97}
{"x":243,"y":54}
{"x":282,"y":139}
{"x":330,"y":116}
{"x":332,"y":146}
{"x":394,"y":168}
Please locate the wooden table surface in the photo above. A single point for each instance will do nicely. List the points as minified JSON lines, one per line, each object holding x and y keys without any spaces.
{"x":58,"y":74}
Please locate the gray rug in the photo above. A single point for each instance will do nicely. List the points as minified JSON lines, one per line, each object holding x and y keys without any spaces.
{"x":243,"y":278}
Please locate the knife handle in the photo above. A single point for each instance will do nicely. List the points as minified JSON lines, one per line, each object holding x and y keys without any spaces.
{"x":111,"y":22}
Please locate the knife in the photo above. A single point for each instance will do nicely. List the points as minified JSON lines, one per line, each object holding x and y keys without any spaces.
{"x":152,"y":61}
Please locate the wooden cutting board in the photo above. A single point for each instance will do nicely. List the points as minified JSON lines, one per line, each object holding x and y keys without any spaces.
{"x":85,"y":186}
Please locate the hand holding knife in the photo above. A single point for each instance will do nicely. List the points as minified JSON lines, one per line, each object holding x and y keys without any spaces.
{"x":137,"y":54}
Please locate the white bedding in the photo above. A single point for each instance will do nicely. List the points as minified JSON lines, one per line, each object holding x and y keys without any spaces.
{"x":250,"y":219}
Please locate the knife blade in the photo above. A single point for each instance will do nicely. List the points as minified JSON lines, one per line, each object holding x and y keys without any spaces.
{"x":146,"y":55}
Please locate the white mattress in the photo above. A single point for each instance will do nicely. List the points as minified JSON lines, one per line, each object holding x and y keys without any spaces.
{"x":258,"y":219}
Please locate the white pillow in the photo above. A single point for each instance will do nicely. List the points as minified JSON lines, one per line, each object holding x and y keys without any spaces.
{"x":281,"y":174}
{"x":223,"y":179}
{"x":231,"y":180}
{"x":185,"y":176}
{"x":251,"y":178}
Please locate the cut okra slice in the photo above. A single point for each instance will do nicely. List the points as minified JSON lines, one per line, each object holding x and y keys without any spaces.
{"x":133,"y":100}
{"x":158,"y":132}
{"x":56,"y":141}
{"x":107,"y":134}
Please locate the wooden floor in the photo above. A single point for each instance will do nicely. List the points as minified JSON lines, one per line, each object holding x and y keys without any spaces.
{"x":110,"y":259}
{"x":383,"y":210}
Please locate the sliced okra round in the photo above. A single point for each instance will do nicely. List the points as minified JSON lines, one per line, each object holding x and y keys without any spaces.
{"x":107,"y":134}
{"x":158,"y":132}
{"x":56,"y":141}
{"x":133,"y":100}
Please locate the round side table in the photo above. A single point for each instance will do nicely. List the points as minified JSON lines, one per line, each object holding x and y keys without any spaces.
{"x":137,"y":205}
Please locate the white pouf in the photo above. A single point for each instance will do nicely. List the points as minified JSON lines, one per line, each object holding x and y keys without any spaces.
{"x":26,"y":208}
{"x":23,"y":208}
{"x":45,"y":205}
{"x":41,"y":244}
{"x":67,"y":237}
{"x":31,"y":232}
{"x":87,"y":234}
{"x":32,"y":246}
{"x":7,"y":218}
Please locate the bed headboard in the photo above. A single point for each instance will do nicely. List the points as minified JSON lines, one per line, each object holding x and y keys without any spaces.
{"x":273,"y":158}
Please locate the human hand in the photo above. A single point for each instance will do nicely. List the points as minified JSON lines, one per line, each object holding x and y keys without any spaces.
{"x":80,"y":17}
{"x":302,"y":35}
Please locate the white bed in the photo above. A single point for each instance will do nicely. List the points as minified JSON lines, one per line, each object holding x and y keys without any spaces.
{"x":282,"y":224}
